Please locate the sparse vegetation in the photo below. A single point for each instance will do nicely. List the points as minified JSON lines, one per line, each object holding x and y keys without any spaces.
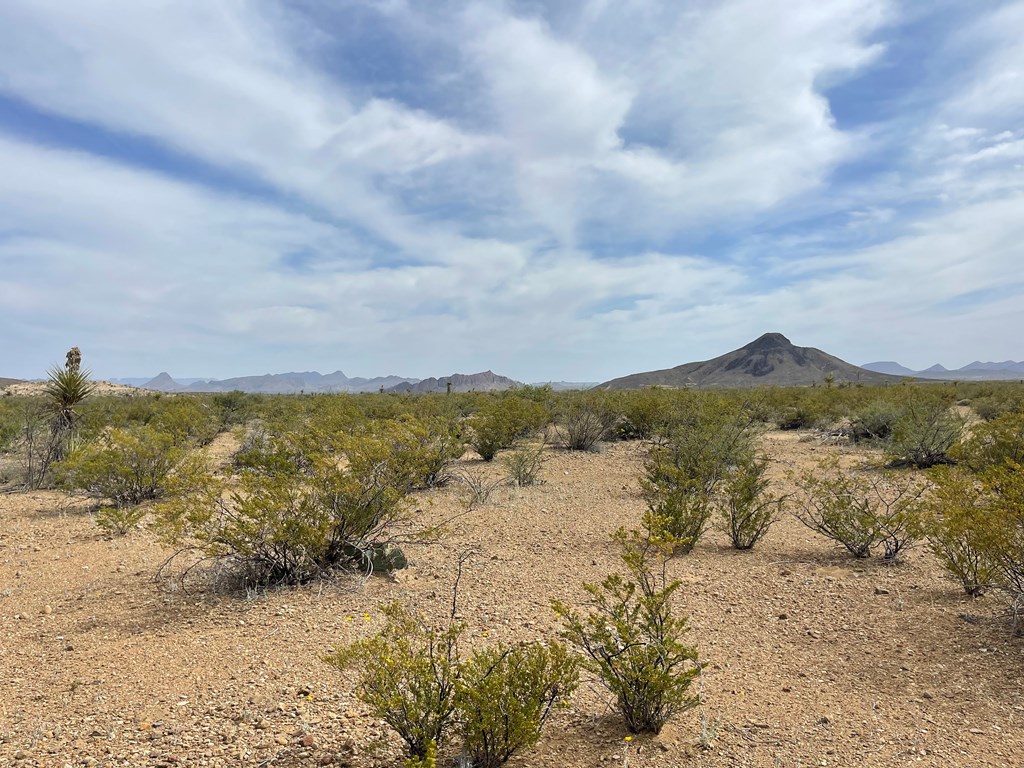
{"x":863,"y":509}
{"x":523,"y":464}
{"x":633,"y":640}
{"x":300,"y":507}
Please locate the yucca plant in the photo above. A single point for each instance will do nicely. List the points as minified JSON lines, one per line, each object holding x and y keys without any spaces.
{"x":64,"y":392}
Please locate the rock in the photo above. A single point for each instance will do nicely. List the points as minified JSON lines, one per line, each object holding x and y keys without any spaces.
{"x":881,"y":591}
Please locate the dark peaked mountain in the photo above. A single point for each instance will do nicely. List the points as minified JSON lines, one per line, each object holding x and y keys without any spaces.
{"x":771,"y":360}
{"x":487,"y":381}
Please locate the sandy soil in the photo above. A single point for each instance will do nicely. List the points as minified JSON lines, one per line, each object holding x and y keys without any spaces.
{"x":813,"y":659}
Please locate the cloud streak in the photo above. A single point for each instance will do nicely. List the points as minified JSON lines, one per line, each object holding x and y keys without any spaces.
{"x":565,"y":190}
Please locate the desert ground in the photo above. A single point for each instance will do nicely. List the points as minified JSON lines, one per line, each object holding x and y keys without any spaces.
{"x":812,"y":658}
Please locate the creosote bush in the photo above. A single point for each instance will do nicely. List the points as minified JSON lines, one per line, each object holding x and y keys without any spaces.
{"x":748,"y":508}
{"x":505,"y":694}
{"x":959,"y":527}
{"x":124,"y":466}
{"x":633,"y":640}
{"x":524,"y":463}
{"x":925,"y":433}
{"x":497,"y":700}
{"x":583,"y":420}
{"x":302,"y":506}
{"x":408,"y":675}
{"x":682,"y":475}
{"x":501,"y":422}
{"x":862,"y":509}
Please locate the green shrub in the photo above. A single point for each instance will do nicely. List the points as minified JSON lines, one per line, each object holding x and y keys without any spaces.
{"x":876,"y":421}
{"x":300,"y":508}
{"x":862,"y":510}
{"x":408,"y":675}
{"x":126,"y":466}
{"x":633,"y":641}
{"x":583,"y":421}
{"x":501,"y":422}
{"x":505,"y":694}
{"x":412,"y":676}
{"x":1003,"y":537}
{"x":925,"y":432}
{"x":993,"y":443}
{"x":959,"y":529}
{"x":748,"y":507}
{"x":523,"y":464}
{"x":187,"y":419}
{"x":646,"y":413}
{"x":682,"y":475}
{"x":119,"y":520}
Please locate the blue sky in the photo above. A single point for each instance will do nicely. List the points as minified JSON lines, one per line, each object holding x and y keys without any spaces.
{"x":553,"y":190}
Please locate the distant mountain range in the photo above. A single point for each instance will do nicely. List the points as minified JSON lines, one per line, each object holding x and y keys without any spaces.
{"x":312,"y":381}
{"x":770,"y":360}
{"x":976,"y":371}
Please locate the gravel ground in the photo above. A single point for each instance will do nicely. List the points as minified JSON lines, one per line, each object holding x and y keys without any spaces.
{"x":813,"y":659}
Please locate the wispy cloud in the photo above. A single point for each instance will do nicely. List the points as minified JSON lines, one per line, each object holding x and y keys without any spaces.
{"x":553,"y":190}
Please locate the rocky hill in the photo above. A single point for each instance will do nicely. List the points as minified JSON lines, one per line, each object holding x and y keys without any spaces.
{"x":771,"y":360}
{"x":488,"y":381}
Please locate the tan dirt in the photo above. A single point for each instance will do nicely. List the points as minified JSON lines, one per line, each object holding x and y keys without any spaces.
{"x":813,"y":658}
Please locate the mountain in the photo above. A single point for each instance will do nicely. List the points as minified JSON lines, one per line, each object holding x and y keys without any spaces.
{"x":565,"y":386}
{"x":1009,"y":370}
{"x":474,"y":382}
{"x":7,"y":382}
{"x":162,"y":382}
{"x":279,"y":383}
{"x":1010,"y":366}
{"x":771,"y":360}
{"x":888,"y":366}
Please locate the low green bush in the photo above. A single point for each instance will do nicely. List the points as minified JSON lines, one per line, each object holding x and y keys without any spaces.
{"x":959,"y":528}
{"x":926,"y":431}
{"x":124,"y":466}
{"x":523,"y":464}
{"x":408,"y":675}
{"x":412,"y":676}
{"x":862,"y":510}
{"x":501,"y":422}
{"x":748,"y":507}
{"x":633,"y":640}
{"x":505,"y":694}
{"x":300,"y":507}
{"x":993,"y":443}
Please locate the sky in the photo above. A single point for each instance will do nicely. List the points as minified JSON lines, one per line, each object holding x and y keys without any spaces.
{"x":550,"y":189}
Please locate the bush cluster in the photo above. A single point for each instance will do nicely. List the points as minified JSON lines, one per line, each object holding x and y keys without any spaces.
{"x":707,"y":463}
{"x":633,"y":640}
{"x":496,"y":699}
{"x":863,"y":510}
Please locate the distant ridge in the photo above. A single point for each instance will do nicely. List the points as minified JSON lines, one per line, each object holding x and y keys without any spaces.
{"x":7,"y":382}
{"x":1008,"y":370}
{"x":488,"y":381}
{"x":769,"y":360}
{"x":280,"y":383}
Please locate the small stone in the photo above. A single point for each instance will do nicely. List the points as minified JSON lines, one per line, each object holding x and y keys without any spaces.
{"x":47,"y":610}
{"x":783,"y":616}
{"x":308,"y":740}
{"x":881,"y":591}
{"x":282,"y":739}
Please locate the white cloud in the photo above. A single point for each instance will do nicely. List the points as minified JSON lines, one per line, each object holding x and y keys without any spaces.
{"x":398,"y":235}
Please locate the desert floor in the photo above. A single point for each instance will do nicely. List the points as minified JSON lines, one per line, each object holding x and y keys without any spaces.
{"x":813,"y":658}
